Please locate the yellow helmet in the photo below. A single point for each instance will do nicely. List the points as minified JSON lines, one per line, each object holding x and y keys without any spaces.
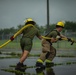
{"x":29,"y":19}
{"x":61,"y":24}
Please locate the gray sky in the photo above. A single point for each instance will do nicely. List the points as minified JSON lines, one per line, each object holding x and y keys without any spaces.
{"x":14,"y":12}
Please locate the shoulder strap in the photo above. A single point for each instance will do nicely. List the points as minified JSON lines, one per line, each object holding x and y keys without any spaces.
{"x":51,"y":31}
{"x":57,"y":32}
{"x":48,"y":33}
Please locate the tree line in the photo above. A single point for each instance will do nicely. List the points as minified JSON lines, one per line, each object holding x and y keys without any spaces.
{"x":68,"y":26}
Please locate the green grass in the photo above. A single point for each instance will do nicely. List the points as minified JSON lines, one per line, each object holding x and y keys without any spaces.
{"x":65,"y":45}
{"x":37,"y":45}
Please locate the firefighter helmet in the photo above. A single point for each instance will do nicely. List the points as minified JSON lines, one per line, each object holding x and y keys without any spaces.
{"x":60,"y":24}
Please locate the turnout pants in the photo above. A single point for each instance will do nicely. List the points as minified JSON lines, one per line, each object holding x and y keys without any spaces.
{"x":48,"y":51}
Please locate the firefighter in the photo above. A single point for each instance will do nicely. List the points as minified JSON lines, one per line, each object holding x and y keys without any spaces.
{"x":48,"y":51}
{"x":26,"y":41}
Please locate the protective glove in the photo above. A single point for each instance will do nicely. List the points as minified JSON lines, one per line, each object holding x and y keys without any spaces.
{"x":59,"y":38}
{"x":12,"y":38}
{"x":69,"y":39}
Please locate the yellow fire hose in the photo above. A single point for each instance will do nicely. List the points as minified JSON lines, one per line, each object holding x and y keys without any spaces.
{"x":15,"y":35}
{"x":56,"y":38}
{"x":73,"y":41}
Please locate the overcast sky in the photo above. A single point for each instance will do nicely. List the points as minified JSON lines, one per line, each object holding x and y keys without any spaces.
{"x":14,"y":12}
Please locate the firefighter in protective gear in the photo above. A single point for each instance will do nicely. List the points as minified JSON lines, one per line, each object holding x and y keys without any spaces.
{"x":48,"y":51}
{"x":26,"y":41}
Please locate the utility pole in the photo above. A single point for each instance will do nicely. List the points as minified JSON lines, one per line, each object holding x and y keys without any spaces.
{"x":47,"y":16}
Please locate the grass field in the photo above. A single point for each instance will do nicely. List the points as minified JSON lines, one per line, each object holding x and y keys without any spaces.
{"x":37,"y":44}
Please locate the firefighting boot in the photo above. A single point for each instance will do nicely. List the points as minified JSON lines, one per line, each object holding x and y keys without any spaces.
{"x":49,"y":63}
{"x":20,"y":67}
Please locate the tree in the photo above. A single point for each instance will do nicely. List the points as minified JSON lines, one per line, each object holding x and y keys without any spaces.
{"x":70,"y":25}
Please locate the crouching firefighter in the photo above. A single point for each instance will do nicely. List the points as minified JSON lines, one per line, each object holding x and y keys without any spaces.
{"x":48,"y":51}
